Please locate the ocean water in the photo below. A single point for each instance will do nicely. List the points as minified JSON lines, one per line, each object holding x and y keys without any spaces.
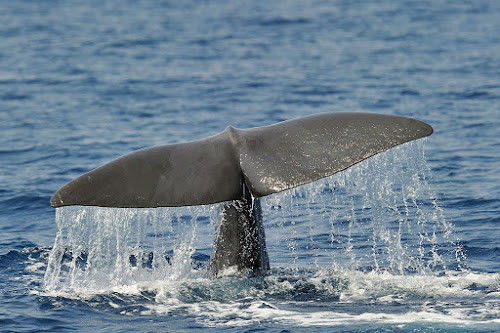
{"x":406,"y":241}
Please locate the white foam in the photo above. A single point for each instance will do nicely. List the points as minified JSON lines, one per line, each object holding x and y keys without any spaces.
{"x":36,"y":267}
{"x":217,"y":314}
{"x":455,"y":297}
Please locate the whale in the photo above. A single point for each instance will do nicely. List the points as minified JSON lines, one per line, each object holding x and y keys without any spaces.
{"x":236,"y":168}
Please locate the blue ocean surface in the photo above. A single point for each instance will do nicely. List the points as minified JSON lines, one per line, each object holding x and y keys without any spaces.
{"x":405,"y":241}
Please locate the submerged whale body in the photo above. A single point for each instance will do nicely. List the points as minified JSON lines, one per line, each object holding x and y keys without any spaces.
{"x":238,"y":166}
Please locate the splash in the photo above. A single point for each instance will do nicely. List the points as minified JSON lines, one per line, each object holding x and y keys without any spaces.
{"x":345,"y":297}
{"x":378,"y":216}
{"x":369,"y":245}
{"x":99,"y":248}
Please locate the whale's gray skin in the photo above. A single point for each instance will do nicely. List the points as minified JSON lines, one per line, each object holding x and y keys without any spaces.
{"x":240,"y":243}
{"x":240,"y":166}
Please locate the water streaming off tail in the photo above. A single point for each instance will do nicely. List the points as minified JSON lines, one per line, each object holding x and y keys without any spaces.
{"x":97,"y":248}
{"x":380,"y":215}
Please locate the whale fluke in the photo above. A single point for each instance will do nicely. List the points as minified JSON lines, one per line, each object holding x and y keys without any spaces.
{"x":266,"y":159}
{"x":240,"y":166}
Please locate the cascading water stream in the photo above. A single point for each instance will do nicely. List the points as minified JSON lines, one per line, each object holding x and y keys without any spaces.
{"x":97,"y":248}
{"x":380,"y":215}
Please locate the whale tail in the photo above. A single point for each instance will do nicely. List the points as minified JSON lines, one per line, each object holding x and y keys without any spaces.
{"x":267,"y":159}
{"x":240,"y":242}
{"x":240,"y":166}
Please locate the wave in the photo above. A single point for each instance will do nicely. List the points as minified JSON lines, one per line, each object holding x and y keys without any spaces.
{"x":285,"y":296}
{"x":306,"y":298}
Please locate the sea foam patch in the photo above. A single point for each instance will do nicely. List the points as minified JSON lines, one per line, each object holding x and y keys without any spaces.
{"x":365,"y":297}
